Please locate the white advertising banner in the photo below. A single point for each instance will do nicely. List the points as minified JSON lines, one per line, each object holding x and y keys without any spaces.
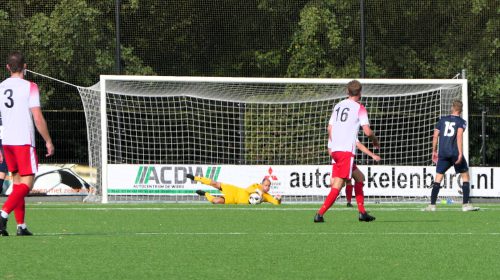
{"x":295,"y":179}
{"x":59,"y":180}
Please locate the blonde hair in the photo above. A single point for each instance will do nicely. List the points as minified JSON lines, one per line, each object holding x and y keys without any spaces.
{"x":457,"y":106}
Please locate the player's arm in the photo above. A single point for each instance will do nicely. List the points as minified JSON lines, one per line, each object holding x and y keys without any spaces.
{"x":367,"y":151}
{"x":460,"y":144}
{"x":435,"y":139}
{"x":365,"y":124}
{"x":41,"y":126}
{"x":371,"y":135}
{"x":271,"y":199}
{"x":329,"y":130}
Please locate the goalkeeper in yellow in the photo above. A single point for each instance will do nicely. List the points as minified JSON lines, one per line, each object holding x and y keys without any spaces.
{"x":235,"y":195}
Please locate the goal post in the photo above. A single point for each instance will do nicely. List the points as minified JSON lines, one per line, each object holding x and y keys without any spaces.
{"x":147,"y":132}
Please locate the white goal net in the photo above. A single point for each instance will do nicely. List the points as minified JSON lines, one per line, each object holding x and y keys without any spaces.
{"x":170,"y":126}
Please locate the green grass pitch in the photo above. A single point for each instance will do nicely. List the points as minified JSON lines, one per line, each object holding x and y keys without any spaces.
{"x":203,"y":241}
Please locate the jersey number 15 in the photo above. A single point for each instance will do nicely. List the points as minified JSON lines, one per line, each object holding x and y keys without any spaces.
{"x":449,"y":129}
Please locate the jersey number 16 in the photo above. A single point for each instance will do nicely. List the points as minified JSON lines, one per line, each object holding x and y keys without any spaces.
{"x":343,"y":114}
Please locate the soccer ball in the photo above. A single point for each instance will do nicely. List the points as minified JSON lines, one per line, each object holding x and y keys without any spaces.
{"x":254,"y":198}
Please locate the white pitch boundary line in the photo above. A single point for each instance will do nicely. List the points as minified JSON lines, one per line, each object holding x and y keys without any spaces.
{"x":454,"y":209}
{"x":278,"y":233}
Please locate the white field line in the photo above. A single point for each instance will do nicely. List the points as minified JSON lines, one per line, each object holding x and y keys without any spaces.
{"x":249,"y":208}
{"x":280,"y":233}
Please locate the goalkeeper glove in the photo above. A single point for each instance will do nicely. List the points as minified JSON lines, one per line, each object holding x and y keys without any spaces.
{"x":190,"y":176}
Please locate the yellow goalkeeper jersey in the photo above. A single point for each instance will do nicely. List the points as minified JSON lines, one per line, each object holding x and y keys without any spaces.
{"x":265,"y":196}
{"x":235,"y":195}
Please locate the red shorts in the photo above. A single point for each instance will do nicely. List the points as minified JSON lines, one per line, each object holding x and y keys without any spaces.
{"x":354,"y":167}
{"x":344,"y":165}
{"x":21,"y":159}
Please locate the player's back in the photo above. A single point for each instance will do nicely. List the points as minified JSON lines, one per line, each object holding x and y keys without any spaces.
{"x":448,"y":127}
{"x":16,"y":99}
{"x":346,"y":118}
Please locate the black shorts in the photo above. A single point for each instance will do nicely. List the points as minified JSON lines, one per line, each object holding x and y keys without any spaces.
{"x":444,"y":163}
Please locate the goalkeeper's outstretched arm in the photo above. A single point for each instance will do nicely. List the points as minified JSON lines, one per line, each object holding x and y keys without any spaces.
{"x":271,"y":199}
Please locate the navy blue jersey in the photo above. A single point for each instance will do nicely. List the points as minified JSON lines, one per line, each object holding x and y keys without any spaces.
{"x":448,"y":127}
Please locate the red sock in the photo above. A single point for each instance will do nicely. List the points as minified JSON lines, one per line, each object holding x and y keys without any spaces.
{"x":348,"y":193}
{"x":360,"y":197}
{"x":19,"y":212}
{"x":19,"y":191}
{"x":330,"y":199}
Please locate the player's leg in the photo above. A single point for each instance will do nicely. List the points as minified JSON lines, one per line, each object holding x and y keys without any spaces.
{"x":229,"y":194}
{"x":216,"y":199}
{"x":204,"y":180}
{"x":435,"y":187}
{"x":209,"y":182}
{"x":463,"y":169}
{"x":210,"y":197}
{"x":348,"y":192}
{"x":359,"y":180}
{"x":442,"y":165}
{"x":341,"y":171}
{"x":20,"y":208}
{"x":24,"y":165}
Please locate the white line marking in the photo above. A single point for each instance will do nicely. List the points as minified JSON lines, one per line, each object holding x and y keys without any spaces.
{"x":250,"y":208}
{"x":274,"y":233}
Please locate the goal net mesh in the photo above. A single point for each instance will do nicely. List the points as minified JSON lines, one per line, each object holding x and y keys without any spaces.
{"x":254,"y":122}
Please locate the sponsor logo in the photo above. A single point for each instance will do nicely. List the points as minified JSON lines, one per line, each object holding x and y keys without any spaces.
{"x":310,"y":179}
{"x":423,"y":179}
{"x":149,"y":176}
{"x":270,"y":175}
{"x":275,"y":183}
{"x":397,"y":178}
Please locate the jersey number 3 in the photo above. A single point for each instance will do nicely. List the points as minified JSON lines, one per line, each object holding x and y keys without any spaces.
{"x":449,"y":129}
{"x":10,"y":102}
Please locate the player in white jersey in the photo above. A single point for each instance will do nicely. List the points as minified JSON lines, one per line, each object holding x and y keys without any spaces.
{"x":20,"y":107}
{"x":347,"y":116}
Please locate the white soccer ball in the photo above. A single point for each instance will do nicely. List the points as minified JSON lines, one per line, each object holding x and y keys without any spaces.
{"x":255,"y":198}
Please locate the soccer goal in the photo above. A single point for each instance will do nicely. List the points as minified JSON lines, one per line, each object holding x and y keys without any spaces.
{"x":146,"y":133}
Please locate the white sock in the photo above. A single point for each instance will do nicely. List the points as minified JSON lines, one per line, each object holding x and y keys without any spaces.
{"x":4,"y":214}
{"x":23,"y":226}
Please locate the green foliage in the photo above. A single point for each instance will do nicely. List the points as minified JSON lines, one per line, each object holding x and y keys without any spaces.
{"x":75,"y":41}
{"x":318,"y":36}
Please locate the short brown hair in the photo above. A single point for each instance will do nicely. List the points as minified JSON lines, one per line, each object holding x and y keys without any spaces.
{"x":354,"y":88}
{"x":457,"y":106}
{"x":15,"y":61}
